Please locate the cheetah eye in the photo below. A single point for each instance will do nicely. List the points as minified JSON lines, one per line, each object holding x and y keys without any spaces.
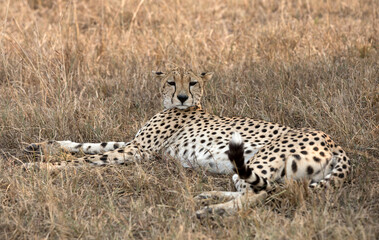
{"x":171,"y":83}
{"x":193,"y":83}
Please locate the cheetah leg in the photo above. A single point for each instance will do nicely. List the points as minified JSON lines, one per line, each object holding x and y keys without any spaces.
{"x":337,"y":176}
{"x":121,"y":156}
{"x":244,"y":200}
{"x":53,"y":147}
{"x":217,"y":195}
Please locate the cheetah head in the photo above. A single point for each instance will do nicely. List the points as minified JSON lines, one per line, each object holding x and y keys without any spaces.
{"x":182,"y":88}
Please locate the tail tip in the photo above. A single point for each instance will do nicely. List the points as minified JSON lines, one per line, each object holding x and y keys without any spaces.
{"x":236,"y":139}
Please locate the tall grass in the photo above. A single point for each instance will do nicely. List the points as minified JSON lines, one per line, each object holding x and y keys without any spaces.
{"x":80,"y":70}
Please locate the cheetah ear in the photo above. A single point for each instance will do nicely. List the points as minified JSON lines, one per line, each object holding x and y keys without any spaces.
{"x":206,"y":75}
{"x":158,"y":74}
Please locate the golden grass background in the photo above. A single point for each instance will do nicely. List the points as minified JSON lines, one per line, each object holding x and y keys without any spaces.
{"x":80,"y":70}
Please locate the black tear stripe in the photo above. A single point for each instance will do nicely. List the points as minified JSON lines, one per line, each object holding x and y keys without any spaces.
{"x":173,"y":95}
{"x":191,"y":96}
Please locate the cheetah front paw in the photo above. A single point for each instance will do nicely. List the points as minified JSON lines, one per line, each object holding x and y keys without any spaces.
{"x":204,"y":196}
{"x":210,"y":212}
{"x":207,"y":198}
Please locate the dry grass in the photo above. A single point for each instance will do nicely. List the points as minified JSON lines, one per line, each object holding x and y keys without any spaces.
{"x":80,"y":70}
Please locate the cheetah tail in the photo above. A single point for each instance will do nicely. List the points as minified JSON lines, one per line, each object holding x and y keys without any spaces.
{"x":236,"y":156}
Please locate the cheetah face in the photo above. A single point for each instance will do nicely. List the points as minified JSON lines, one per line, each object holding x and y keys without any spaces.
{"x":182,"y":88}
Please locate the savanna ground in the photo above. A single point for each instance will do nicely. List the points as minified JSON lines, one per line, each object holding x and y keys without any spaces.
{"x":80,"y":71}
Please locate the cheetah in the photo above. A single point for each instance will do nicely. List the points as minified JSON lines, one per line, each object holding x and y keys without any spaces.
{"x":260,"y":153}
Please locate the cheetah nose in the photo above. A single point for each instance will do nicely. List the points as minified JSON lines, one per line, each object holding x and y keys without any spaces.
{"x":182,"y":98}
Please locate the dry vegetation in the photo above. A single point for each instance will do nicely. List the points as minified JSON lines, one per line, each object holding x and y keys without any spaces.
{"x":80,"y":70}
